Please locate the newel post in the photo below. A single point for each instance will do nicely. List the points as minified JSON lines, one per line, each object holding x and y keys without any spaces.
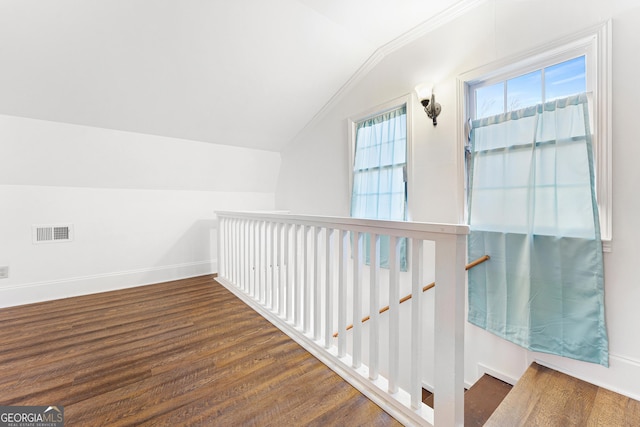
{"x":449,"y":332}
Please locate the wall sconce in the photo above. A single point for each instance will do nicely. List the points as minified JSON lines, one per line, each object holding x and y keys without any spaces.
{"x":428,"y":101}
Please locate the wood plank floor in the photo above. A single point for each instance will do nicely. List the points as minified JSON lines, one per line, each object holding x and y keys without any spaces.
{"x":545,"y":397}
{"x":178,"y":353}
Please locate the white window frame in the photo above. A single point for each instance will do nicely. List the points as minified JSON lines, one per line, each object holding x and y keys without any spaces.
{"x":595,"y":44}
{"x":376,"y":111}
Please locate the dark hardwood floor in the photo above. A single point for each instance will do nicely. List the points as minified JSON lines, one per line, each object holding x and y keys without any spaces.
{"x":482,"y":399}
{"x":177,"y":353}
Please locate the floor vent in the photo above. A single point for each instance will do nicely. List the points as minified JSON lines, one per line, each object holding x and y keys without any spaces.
{"x":52,"y":233}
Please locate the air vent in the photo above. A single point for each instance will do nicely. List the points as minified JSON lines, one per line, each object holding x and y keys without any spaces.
{"x":52,"y":233}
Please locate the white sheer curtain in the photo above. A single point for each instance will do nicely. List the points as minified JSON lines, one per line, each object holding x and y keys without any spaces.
{"x":533,"y":210}
{"x":379,"y":190}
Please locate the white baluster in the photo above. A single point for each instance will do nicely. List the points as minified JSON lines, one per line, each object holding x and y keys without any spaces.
{"x":249,"y":254}
{"x":297,"y":294}
{"x":273,"y":252}
{"x":236,"y":262}
{"x":394,"y":314}
{"x":416,"y":323}
{"x":306,"y":309}
{"x":234,"y":257}
{"x":317,"y":299}
{"x":260,"y":265}
{"x":230,"y":245}
{"x":254,"y":247}
{"x":243,"y":251}
{"x":374,"y":306}
{"x":328,"y":313}
{"x":342,"y":292}
{"x":357,"y":299}
{"x":284,"y":271}
{"x":237,"y":255}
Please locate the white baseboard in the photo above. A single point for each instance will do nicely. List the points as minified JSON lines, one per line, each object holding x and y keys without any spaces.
{"x":75,"y":286}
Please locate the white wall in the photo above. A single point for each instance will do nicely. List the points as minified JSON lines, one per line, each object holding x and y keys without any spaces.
{"x":314,"y":171}
{"x":142,"y":206}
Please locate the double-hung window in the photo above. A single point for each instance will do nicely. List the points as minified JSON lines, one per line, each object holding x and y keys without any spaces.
{"x":537,"y":139}
{"x":578,"y":64}
{"x":379,"y":170}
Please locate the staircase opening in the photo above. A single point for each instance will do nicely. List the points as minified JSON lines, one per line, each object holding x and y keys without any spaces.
{"x":480,"y":401}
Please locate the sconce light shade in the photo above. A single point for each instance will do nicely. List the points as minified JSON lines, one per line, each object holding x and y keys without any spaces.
{"x":423,"y":91}
{"x":426,"y":97}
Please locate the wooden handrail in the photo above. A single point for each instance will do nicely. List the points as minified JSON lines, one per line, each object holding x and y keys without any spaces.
{"x":477,"y":262}
{"x":425,"y":289}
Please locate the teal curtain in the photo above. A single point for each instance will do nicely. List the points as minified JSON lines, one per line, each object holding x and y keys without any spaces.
{"x":379,"y":170}
{"x":532,"y":208}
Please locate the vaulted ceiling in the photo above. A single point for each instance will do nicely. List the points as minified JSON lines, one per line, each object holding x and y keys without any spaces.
{"x":249,"y":73}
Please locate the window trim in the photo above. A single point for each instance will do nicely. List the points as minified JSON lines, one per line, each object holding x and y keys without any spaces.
{"x":375,"y":111}
{"x":596,"y":43}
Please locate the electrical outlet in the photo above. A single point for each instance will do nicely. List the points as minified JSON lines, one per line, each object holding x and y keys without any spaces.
{"x":4,"y":272}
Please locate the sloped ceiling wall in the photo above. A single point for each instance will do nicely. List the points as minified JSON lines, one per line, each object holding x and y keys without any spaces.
{"x":248,"y":73}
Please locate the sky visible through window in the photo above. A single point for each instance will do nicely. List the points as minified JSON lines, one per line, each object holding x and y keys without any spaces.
{"x":543,"y":85}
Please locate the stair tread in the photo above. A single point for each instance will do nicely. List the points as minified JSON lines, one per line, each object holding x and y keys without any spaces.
{"x":546,"y":397}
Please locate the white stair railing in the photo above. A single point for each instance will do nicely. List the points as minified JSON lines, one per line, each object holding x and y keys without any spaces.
{"x":305,"y":275}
